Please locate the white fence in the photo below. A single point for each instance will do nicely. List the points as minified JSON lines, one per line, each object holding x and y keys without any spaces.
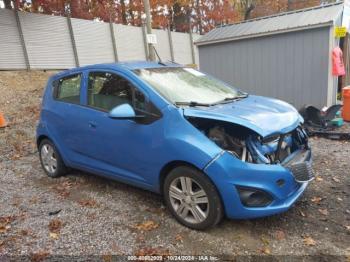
{"x":35,"y":41}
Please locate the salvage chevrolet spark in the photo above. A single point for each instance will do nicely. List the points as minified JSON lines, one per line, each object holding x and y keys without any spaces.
{"x":208,"y":148}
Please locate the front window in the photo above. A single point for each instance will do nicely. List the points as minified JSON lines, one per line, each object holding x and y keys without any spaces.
{"x":186,"y":85}
{"x":107,"y":90}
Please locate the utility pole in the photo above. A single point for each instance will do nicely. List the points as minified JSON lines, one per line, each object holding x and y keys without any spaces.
{"x":152,"y":55}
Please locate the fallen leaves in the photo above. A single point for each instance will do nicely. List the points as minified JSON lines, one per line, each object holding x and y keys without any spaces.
{"x":16,"y":201}
{"x":316,"y":200}
{"x":319,"y":179}
{"x":146,"y":226}
{"x":55,"y":226}
{"x":280,"y":235}
{"x":90,"y":203}
{"x":265,"y":241}
{"x":5,"y":223}
{"x":15,"y":157}
{"x":323,"y":212}
{"x":6,"y":242}
{"x":140,"y":238}
{"x":309,"y":241}
{"x":68,"y":184}
{"x":63,"y":189}
{"x":24,"y":232}
{"x":54,"y":235}
{"x":35,"y":110}
{"x":107,"y":258}
{"x":34,"y":200}
{"x":179,"y":238}
{"x":265,"y":250}
{"x":39,"y":256}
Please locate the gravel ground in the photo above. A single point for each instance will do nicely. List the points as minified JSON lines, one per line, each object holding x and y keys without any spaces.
{"x":82,"y":214}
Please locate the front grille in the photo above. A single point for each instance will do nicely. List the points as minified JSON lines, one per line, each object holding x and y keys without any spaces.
{"x":302,"y":172}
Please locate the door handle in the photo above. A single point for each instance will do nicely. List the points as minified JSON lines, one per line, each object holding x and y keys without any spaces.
{"x":92,"y":124}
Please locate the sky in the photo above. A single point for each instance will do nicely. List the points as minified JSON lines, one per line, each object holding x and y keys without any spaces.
{"x":1,"y":4}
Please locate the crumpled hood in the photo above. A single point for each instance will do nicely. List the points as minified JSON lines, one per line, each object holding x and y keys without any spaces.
{"x":265,"y":116}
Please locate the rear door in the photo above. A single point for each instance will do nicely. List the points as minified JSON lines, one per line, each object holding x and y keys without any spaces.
{"x":65,"y":113}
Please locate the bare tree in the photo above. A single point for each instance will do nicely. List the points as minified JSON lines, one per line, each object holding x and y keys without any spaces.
{"x":122,"y":3}
{"x":246,"y":7}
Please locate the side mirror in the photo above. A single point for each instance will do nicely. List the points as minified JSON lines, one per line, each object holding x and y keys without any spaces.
{"x":124,"y":111}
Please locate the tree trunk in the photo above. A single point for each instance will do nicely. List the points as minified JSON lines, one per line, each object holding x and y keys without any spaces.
{"x":132,"y":17}
{"x":248,"y":11}
{"x":199,"y":16}
{"x":8,"y":4}
{"x":176,"y":16}
{"x":75,"y":8}
{"x":124,"y":21}
{"x":171,"y":19}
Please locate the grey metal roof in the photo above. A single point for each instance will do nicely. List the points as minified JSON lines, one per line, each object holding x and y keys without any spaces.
{"x":290,"y":21}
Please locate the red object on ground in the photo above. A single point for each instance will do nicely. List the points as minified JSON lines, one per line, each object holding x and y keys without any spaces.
{"x":346,"y":103}
{"x":338,"y":62}
{"x":2,"y":121}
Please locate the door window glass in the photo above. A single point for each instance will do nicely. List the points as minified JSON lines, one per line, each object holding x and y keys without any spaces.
{"x":107,"y":90}
{"x":140,"y":101}
{"x":68,"y":89}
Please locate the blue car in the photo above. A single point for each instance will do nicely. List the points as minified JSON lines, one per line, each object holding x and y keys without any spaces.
{"x":208,"y":148}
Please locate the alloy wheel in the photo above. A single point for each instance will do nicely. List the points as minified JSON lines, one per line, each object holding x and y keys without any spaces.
{"x":48,"y":158}
{"x":189,"y":200}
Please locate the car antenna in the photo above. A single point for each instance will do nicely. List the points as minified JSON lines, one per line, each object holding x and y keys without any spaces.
{"x":159,"y":59}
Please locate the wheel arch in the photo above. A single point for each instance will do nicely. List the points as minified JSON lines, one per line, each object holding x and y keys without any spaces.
{"x":169,"y":167}
{"x":40,"y":139}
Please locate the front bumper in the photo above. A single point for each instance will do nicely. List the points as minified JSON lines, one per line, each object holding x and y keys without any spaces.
{"x":228,"y":173}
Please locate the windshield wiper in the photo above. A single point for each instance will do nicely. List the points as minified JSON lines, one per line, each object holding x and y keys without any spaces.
{"x":192,"y":104}
{"x":231,"y":99}
{"x":226,"y":100}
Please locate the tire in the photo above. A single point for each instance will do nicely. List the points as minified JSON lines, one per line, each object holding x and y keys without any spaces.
{"x":192,"y":208}
{"x":51,"y":161}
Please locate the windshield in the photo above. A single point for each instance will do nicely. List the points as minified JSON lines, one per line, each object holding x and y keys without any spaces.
{"x":187,"y":86}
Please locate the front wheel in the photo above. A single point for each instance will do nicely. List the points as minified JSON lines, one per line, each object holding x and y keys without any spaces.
{"x":192,"y":198}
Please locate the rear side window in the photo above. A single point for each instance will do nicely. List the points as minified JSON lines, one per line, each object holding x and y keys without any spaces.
{"x":68,"y":89}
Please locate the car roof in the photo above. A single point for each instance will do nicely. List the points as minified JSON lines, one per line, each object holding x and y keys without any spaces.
{"x":129,"y":66}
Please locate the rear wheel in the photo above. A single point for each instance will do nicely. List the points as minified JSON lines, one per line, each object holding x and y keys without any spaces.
{"x":192,"y":198}
{"x":51,"y":160}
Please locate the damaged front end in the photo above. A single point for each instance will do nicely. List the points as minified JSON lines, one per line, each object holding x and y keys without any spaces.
{"x":290,"y":150}
{"x":259,"y":176}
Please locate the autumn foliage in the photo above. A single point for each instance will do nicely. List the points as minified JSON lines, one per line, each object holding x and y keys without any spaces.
{"x":178,"y":15}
